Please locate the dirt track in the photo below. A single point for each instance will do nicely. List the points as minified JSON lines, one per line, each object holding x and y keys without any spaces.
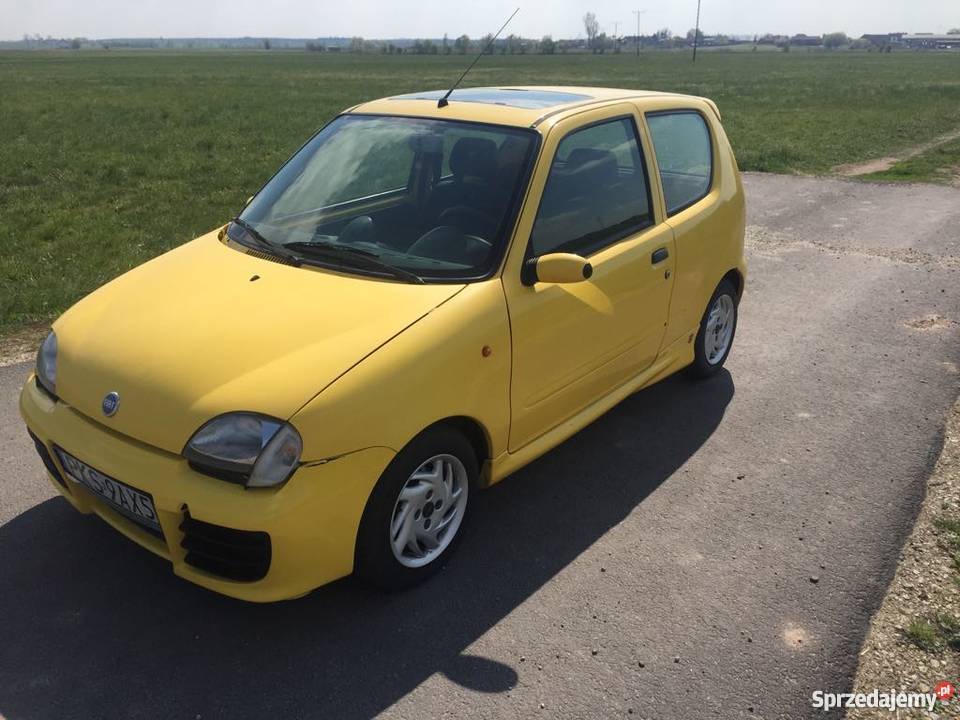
{"x":885,"y":163}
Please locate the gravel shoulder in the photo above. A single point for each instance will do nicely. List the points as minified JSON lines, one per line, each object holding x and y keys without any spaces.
{"x":927,"y":585}
{"x":22,"y":345}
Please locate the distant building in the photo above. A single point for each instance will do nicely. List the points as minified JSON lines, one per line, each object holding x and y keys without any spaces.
{"x":929,"y":41}
{"x":801,"y":39}
{"x":770,"y":39}
{"x":882,"y":39}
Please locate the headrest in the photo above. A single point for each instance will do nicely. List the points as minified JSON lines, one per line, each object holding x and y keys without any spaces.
{"x":510,"y":157}
{"x":474,"y":157}
{"x":599,"y":165}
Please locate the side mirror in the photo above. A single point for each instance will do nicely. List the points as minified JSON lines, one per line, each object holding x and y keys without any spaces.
{"x":556,"y":268}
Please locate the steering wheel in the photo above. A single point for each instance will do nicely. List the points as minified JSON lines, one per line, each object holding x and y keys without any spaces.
{"x":451,"y":244}
{"x":359,"y":230}
{"x":470,"y":220}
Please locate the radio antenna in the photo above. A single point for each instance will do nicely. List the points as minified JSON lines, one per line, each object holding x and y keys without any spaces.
{"x":442,"y":102}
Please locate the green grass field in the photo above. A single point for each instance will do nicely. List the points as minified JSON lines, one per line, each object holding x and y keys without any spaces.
{"x":109,"y":158}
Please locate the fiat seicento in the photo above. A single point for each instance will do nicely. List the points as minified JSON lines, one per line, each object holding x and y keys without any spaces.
{"x":428,"y":295}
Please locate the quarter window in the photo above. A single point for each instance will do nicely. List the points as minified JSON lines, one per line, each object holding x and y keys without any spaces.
{"x":597,"y":191}
{"x":681,"y":142}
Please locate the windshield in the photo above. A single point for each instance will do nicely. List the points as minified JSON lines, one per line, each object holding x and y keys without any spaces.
{"x":433,"y":198}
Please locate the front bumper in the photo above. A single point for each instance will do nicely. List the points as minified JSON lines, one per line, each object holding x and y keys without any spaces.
{"x":311,"y":521}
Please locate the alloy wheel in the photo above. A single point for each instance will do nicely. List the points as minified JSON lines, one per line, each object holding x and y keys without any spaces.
{"x":428,"y":511}
{"x":719,"y":330}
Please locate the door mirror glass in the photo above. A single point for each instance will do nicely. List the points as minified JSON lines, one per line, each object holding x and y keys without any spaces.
{"x":556,"y":268}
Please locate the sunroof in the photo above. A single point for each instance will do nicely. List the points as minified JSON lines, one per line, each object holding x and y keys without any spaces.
{"x":512,"y":97}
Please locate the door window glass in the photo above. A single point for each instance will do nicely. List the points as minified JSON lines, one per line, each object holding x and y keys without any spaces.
{"x":597,"y":191}
{"x":681,"y":142}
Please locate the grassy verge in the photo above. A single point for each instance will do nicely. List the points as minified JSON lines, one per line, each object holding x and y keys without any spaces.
{"x":934,"y":632}
{"x":937,"y":165}
{"x":109,"y":158}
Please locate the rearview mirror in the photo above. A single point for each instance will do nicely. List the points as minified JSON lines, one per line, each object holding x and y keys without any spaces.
{"x":556,"y":268}
{"x":429,"y":143}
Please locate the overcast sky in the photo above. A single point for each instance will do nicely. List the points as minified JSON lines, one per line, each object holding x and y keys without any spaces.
{"x":433,"y":18}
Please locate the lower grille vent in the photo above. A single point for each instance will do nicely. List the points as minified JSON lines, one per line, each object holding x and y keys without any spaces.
{"x":242,"y":555}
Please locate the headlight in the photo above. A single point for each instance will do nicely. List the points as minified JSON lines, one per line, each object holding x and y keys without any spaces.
{"x":252,"y":449}
{"x":47,"y":363}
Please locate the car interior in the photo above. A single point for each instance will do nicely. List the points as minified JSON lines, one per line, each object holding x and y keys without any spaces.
{"x":589,"y":199}
{"x":435,"y":200}
{"x":680,"y":189}
{"x":438,"y":219}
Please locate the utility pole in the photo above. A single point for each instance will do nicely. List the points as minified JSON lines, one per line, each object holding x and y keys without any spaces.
{"x":696,"y":33}
{"x":638,"y":13}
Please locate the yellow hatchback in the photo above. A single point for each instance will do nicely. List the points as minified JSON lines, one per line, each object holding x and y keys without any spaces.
{"x":429,"y":294}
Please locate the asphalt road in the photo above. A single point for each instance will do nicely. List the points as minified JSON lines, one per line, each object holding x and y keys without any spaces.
{"x":705,"y":550}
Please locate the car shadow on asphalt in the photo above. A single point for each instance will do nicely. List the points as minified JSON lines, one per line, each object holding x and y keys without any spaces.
{"x":93,"y":626}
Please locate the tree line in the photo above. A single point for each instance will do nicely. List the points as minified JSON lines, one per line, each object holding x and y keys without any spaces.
{"x":461,"y":45}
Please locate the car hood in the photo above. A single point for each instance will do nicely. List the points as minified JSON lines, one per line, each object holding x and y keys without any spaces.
{"x":206,"y":329}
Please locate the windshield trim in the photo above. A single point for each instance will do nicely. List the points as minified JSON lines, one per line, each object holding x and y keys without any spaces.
{"x":503,"y":238}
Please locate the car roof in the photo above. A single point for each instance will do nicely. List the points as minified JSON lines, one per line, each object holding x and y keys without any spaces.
{"x":521,"y":106}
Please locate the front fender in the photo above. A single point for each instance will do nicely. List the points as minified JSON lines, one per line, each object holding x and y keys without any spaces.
{"x":435,"y":369}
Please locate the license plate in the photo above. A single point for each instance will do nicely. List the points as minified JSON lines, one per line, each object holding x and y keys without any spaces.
{"x":134,"y":504}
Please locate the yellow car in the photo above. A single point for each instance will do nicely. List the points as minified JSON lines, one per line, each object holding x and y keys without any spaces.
{"x":428,"y":295}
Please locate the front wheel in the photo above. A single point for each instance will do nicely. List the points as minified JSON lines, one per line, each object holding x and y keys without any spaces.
{"x":717,"y":328}
{"x":416,"y":512}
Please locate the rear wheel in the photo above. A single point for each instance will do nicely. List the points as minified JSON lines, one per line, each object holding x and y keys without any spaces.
{"x":415,"y":514}
{"x":717,"y":329}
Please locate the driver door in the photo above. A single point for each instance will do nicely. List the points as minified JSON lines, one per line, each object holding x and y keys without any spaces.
{"x":573,"y":343}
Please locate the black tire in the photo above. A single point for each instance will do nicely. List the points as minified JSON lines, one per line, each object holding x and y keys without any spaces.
{"x":376,"y":563}
{"x":703,"y":365}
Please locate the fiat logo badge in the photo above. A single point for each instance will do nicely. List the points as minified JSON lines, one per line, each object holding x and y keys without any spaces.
{"x":110,"y":404}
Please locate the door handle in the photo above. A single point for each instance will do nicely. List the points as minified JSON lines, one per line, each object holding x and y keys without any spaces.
{"x":659,"y":255}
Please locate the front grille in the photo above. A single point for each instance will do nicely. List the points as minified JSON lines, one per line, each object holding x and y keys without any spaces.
{"x":48,"y":460}
{"x":242,"y":555}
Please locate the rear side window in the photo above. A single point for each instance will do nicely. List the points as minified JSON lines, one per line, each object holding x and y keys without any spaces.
{"x":681,"y":142}
{"x":597,"y":191}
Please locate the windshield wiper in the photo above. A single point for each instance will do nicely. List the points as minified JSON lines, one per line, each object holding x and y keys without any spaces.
{"x":343,"y":252}
{"x":272,"y":247}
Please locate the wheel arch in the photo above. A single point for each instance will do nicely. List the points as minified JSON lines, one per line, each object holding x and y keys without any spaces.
{"x":478,"y":437}
{"x":735,"y":277}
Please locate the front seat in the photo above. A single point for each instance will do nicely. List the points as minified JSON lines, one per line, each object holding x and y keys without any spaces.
{"x":576,"y":197}
{"x":473,"y":162}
